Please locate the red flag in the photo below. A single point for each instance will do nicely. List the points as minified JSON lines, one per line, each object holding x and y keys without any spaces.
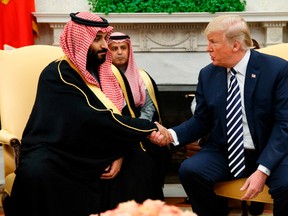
{"x":17,"y":23}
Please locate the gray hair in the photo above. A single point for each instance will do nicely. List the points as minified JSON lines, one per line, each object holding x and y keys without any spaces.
{"x":234,"y":27}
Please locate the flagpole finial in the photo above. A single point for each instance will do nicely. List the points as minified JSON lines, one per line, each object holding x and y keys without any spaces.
{"x":5,"y":2}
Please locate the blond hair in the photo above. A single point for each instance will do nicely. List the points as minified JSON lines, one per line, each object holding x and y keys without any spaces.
{"x":234,"y":27}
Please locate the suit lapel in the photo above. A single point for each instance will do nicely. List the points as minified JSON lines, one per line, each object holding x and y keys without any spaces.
{"x":221,"y":81}
{"x":251,"y":79}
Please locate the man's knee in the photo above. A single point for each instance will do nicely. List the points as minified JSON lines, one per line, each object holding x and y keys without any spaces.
{"x":185,"y":170}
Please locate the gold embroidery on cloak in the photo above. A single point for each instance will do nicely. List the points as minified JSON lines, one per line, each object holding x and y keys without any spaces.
{"x":101,"y":96}
{"x":149,"y":86}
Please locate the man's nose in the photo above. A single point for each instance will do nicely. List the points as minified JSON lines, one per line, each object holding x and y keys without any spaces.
{"x":104,"y":44}
{"x":209,"y":48}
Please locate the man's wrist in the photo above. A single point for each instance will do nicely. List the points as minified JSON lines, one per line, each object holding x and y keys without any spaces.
{"x":175,"y":141}
{"x":264,"y":169}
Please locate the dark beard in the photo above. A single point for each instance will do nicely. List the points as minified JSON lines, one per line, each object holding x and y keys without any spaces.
{"x":93,"y":61}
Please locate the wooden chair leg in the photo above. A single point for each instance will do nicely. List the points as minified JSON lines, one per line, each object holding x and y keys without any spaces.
{"x":244,"y":208}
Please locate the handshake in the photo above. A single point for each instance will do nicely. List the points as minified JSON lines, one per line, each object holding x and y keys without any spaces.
{"x":162,"y":137}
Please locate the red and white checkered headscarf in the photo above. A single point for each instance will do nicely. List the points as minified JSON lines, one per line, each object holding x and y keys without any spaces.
{"x":75,"y":41}
{"x":132,"y":72}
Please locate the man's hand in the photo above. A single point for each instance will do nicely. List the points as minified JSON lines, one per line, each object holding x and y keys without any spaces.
{"x":162,"y":137}
{"x":113,"y":169}
{"x":254,"y":185}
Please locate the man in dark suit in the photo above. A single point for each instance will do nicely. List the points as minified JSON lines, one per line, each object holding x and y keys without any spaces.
{"x":263,"y":85}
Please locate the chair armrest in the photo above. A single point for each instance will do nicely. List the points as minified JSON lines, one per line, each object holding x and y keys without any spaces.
{"x":11,"y":149}
{"x":6,"y":137}
{"x":11,"y":140}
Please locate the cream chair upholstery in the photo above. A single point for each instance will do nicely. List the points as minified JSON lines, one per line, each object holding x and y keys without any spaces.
{"x":280,"y":50}
{"x":19,"y":72}
{"x":231,"y":189}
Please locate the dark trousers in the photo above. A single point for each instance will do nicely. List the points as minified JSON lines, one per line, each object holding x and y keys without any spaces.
{"x":199,"y":173}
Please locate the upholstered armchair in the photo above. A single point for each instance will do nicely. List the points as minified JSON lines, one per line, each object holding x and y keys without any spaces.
{"x":19,"y":72}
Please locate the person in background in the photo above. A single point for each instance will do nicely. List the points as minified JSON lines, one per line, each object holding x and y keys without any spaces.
{"x":255,"y":44}
{"x":144,"y":92}
{"x":260,"y":122}
{"x":143,"y":87}
{"x":76,"y":136}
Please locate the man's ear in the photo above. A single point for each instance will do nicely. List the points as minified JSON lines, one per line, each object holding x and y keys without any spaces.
{"x":236,"y":46}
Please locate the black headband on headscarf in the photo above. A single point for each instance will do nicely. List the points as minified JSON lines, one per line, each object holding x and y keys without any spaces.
{"x":119,"y":37}
{"x":82,"y":21}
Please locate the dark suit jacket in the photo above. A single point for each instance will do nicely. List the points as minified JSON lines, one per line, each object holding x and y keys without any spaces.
{"x":266,"y":106}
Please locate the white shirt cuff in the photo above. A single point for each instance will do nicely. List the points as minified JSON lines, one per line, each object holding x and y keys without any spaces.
{"x":174,"y":136}
{"x":264,"y":170}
